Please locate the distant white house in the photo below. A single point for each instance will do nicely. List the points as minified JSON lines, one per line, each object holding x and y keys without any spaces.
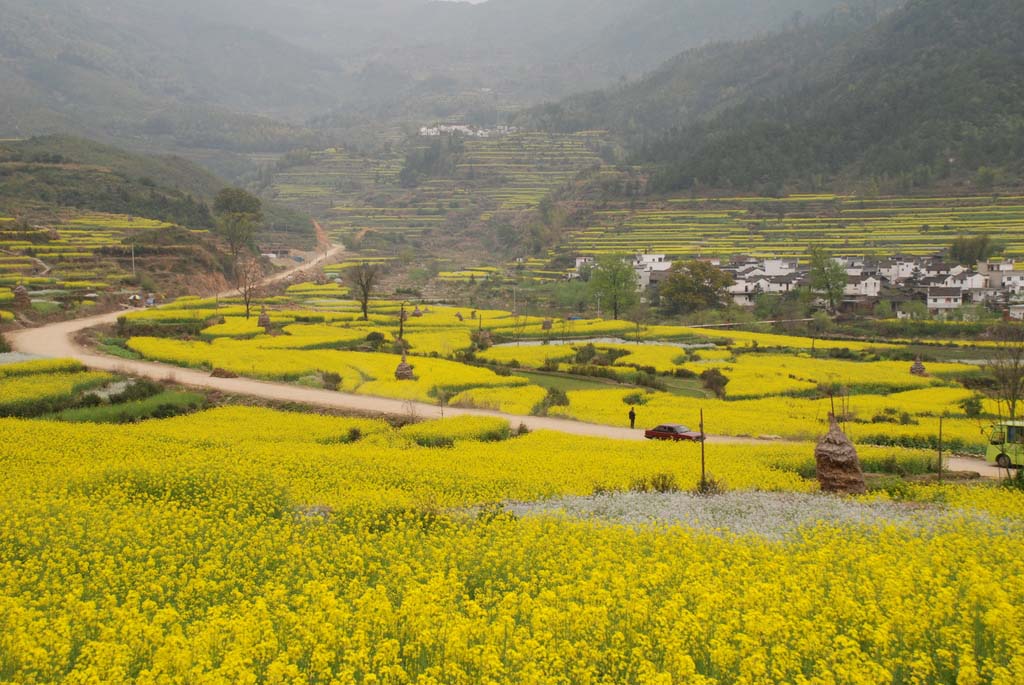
{"x":465,"y":130}
{"x":862,"y":287}
{"x":967,"y":280}
{"x":780,"y":267}
{"x":647,"y":265}
{"x":944,"y":300}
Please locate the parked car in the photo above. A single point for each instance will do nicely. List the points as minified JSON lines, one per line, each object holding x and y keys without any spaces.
{"x":671,"y":431}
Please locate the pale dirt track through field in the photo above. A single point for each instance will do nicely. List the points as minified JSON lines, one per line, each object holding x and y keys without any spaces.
{"x":58,"y":340}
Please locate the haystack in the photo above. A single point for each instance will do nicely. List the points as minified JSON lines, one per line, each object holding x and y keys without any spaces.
{"x":839,"y":468}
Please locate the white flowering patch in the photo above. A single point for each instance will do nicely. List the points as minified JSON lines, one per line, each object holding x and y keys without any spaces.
{"x":770,"y":515}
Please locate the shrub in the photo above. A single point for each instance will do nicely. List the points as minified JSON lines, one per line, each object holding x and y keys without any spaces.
{"x":635,"y":399}
{"x":332,"y":380}
{"x":648,"y":380}
{"x":710,"y":486}
{"x":586,"y":354}
{"x":972,"y":406}
{"x":554,"y":398}
{"x":659,"y":482}
{"x":715,"y":381}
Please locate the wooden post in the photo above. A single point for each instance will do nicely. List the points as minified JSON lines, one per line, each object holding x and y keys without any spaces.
{"x":703,"y":477}
{"x":940,"y":449}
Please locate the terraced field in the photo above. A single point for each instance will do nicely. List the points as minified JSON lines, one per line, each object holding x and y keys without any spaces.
{"x":359,"y":197}
{"x":520,"y":170}
{"x":74,"y":260}
{"x":792,"y":226}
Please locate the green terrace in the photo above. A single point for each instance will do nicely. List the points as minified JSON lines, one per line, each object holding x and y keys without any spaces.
{"x":794,"y":225}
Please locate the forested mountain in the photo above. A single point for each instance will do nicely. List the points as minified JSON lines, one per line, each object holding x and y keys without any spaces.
{"x":43,"y":174}
{"x":700,"y":83}
{"x":934,"y":90}
{"x":271,"y":75}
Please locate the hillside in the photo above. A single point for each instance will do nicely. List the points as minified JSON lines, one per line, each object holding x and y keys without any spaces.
{"x":935,"y":91}
{"x":61,"y":171}
{"x":40,"y":176}
{"x":263,"y":77}
{"x":700,"y":83}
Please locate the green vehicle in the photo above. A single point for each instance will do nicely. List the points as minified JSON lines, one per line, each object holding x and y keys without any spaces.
{"x":1006,"y":445}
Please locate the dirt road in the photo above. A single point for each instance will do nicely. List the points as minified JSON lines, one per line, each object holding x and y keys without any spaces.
{"x":57,"y":340}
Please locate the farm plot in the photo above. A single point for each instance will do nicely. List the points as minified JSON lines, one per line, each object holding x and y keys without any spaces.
{"x":74,"y":259}
{"x":363,"y":200}
{"x":249,"y":545}
{"x":762,"y":384}
{"x":791,"y":227}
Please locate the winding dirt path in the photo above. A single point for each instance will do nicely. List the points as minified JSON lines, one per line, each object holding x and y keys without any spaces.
{"x":58,"y":340}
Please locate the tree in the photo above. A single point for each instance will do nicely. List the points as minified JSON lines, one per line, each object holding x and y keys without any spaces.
{"x":238,"y":214}
{"x":1006,"y":365}
{"x":363,"y":279}
{"x":827,"y":278}
{"x":915,"y":309}
{"x":248,"y":276}
{"x":236,"y":201}
{"x":639,"y":314}
{"x":970,"y":251}
{"x":692,"y":286}
{"x":614,"y":282}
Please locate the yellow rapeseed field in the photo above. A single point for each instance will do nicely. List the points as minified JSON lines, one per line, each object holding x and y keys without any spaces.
{"x":244,"y":545}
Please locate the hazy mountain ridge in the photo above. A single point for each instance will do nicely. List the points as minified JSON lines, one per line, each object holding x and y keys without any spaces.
{"x":195,"y":73}
{"x":701,"y":83}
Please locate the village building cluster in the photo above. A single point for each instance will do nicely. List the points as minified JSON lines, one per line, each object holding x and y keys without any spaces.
{"x":942,"y":286}
{"x":466,"y":131}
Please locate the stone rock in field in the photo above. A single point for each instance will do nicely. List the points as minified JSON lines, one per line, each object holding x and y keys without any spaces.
{"x":404,"y":372}
{"x":264,"y":321}
{"x":918,"y":369}
{"x":838,"y":466}
{"x":223,"y":373}
{"x":21,"y":298}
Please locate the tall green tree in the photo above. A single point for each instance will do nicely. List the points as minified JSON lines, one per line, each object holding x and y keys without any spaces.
{"x":827,"y":278}
{"x":613,"y":280}
{"x":238,"y":215}
{"x":694,"y":285}
{"x":970,"y":251}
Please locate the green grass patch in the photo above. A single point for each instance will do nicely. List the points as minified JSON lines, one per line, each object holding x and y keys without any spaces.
{"x":561,"y":382}
{"x":163,"y":405}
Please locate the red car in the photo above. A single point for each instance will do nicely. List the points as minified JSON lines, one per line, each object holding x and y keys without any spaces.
{"x":671,"y":431}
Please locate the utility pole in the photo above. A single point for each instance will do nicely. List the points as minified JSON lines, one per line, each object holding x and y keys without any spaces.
{"x":599,"y":305}
{"x":133,"y":260}
{"x":940,"y":448}
{"x":703,"y":475}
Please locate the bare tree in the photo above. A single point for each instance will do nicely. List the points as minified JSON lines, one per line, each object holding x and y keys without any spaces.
{"x":248,"y":277}
{"x":1006,"y":365}
{"x":363,"y":279}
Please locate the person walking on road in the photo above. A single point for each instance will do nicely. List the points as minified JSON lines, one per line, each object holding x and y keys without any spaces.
{"x":632,"y":417}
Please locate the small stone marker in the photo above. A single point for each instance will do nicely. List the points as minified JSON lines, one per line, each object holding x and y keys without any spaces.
{"x":839,"y":468}
{"x":547,"y":325}
{"x":918,"y":369}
